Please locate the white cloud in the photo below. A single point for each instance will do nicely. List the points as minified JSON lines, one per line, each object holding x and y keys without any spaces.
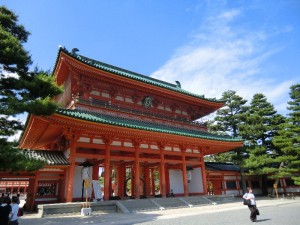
{"x":221,"y":58}
{"x":229,"y":15}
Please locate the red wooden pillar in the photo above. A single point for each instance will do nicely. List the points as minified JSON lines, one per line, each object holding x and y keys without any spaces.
{"x":95,"y":176}
{"x":61,"y":192}
{"x":152,"y":182}
{"x":223,"y":184}
{"x":137,"y":171}
{"x":107,"y":169}
{"x":147,"y":181}
{"x":132,"y":181}
{"x":184,"y":176}
{"x":71,"y":172}
{"x":203,"y":174}
{"x":162,"y":172}
{"x":110,"y":183}
{"x":31,"y":194}
{"x":35,"y":187}
{"x":95,"y":172}
{"x":167,"y":180}
{"x":121,"y":180}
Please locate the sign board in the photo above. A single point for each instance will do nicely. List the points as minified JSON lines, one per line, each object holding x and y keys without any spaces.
{"x":97,"y":189}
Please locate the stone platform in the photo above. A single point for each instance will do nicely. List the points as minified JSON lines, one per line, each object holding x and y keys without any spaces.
{"x":134,"y":205}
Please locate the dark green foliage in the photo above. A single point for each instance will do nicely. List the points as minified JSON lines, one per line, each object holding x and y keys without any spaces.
{"x":13,"y":57}
{"x":227,"y":122}
{"x":20,"y":90}
{"x":288,"y":138}
{"x":228,"y":118}
{"x":258,"y":124}
{"x":13,"y":159}
{"x":258,"y":127}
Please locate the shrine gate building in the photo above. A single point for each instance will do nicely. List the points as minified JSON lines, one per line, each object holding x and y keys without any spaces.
{"x":141,"y":132}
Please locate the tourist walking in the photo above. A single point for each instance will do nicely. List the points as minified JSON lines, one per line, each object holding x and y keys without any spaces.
{"x":252,"y":204}
{"x":14,"y":211}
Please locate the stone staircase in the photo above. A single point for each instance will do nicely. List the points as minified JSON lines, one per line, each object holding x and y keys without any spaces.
{"x":198,"y":201}
{"x":134,"y":205}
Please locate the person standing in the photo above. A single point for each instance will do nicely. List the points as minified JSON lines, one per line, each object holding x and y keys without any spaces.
{"x":252,"y":206}
{"x":14,"y":211}
{"x":18,"y":196}
{"x":2,"y":198}
{"x":5,"y":210}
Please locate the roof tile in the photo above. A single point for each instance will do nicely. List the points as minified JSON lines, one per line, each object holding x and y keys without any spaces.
{"x":51,"y":157}
{"x":142,"y":125}
{"x":132,"y":75}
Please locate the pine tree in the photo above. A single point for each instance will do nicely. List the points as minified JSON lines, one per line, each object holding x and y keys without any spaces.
{"x":21,"y":90}
{"x":259,"y":126}
{"x":288,"y":138}
{"x":227,"y":122}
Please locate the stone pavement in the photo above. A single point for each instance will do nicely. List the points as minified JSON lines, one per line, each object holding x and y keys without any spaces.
{"x":141,"y":217}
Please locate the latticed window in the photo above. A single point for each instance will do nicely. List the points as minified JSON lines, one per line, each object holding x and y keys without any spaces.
{"x":46,"y":188}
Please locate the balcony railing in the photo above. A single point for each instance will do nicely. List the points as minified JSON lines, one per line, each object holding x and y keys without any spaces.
{"x":108,"y":105}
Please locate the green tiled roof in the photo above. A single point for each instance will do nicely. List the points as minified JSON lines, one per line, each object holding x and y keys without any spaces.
{"x":51,"y":157}
{"x":141,"y":125}
{"x":132,"y":75}
{"x":216,"y":166}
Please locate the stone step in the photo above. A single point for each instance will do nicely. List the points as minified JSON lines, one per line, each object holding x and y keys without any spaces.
{"x":133,"y":205}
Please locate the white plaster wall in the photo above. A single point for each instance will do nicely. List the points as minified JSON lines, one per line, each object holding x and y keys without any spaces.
{"x":45,"y":199}
{"x":293,"y":189}
{"x":196,"y":184}
{"x":77,"y":187}
{"x":176,"y":182}
{"x":84,"y":139}
{"x":231,"y":192}
{"x":230,"y":177}
{"x":67,"y":153}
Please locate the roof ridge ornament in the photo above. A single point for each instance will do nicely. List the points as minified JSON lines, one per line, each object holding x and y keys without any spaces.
{"x":178,"y":84}
{"x":74,"y":51}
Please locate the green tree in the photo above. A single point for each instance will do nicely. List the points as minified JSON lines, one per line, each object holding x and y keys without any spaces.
{"x":227,"y":122}
{"x":258,"y":127}
{"x":21,"y":90}
{"x":288,"y":138}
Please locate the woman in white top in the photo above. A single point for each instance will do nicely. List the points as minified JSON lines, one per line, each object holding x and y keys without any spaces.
{"x":14,"y":211}
{"x":252,"y":207}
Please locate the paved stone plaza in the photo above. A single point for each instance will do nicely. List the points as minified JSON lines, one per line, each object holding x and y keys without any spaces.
{"x":281,"y":212}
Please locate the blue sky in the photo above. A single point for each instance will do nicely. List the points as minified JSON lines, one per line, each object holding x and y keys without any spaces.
{"x":210,"y":46}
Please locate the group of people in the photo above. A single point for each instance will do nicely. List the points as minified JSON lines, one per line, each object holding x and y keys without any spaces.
{"x":9,"y":208}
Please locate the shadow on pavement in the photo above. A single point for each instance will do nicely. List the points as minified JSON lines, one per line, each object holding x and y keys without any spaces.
{"x":262,"y":220}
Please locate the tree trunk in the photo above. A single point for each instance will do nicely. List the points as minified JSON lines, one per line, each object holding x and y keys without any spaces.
{"x":244,"y":186}
{"x":264,"y":185}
